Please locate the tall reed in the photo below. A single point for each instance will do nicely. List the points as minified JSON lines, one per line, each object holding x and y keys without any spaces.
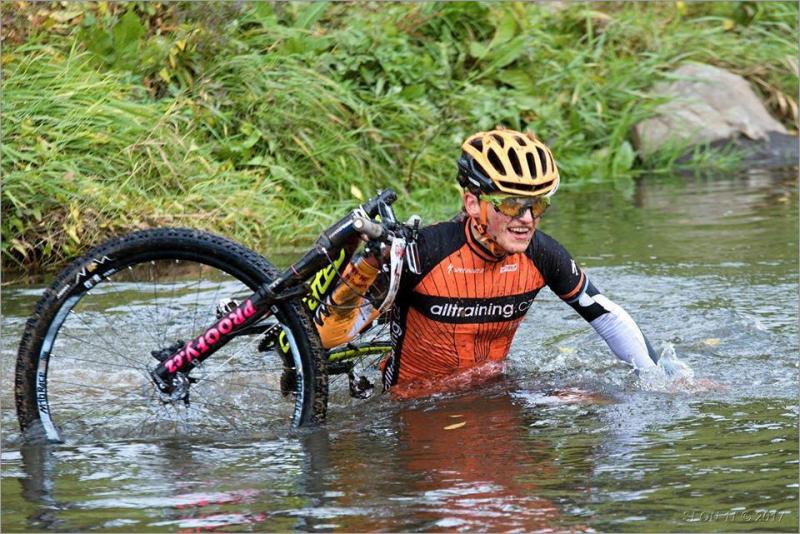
{"x":265,"y":121}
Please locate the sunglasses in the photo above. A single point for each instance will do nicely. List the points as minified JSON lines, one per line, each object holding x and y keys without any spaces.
{"x":516,"y":206}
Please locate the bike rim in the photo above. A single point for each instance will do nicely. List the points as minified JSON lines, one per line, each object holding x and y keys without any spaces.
{"x":92,"y":375}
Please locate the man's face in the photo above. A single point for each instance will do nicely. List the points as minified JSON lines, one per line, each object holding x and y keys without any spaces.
{"x":511,"y":234}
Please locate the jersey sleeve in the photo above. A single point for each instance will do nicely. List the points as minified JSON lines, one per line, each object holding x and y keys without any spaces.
{"x":560,"y":272}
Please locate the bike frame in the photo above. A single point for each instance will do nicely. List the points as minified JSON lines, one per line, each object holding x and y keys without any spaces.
{"x":341,"y":236}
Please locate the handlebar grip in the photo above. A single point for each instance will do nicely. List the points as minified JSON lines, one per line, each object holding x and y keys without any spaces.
{"x":386,"y":196}
{"x":367,"y":227}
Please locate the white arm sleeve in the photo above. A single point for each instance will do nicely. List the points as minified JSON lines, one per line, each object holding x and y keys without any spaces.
{"x":622,"y":335}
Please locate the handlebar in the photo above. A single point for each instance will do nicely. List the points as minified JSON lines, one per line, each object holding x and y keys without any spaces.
{"x":387,"y":196}
{"x":340,"y":234}
{"x":367,"y":227}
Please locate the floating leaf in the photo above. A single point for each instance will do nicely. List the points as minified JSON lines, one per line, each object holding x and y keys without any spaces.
{"x":712,"y":342}
{"x":457,"y":425}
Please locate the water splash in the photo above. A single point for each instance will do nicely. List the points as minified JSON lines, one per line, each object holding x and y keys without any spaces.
{"x":673,"y":367}
{"x":673,"y":375}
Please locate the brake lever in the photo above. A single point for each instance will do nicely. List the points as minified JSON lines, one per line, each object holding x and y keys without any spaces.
{"x":397,"y":254}
{"x":412,"y":251}
{"x":412,"y":258}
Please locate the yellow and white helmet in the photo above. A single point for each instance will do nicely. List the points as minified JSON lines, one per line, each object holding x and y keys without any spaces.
{"x":509,"y":162}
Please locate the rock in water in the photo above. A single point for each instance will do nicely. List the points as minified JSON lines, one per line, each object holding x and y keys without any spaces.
{"x":707,"y":105}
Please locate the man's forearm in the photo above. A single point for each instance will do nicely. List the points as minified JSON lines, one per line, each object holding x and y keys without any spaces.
{"x":616,"y":327}
{"x":623,"y":336}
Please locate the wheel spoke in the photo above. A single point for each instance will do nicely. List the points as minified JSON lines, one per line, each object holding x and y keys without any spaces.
{"x":133,"y":364}
{"x":98,"y":370}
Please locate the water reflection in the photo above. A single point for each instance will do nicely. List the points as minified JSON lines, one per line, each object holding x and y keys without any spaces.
{"x":38,"y":463}
{"x":476,"y":465}
{"x":495,"y":460}
{"x":708,"y":265}
{"x":669,"y":222}
{"x":476,"y":461}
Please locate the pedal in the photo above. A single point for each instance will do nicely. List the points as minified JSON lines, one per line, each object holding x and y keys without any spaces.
{"x":225,"y":306}
{"x":360,"y":387}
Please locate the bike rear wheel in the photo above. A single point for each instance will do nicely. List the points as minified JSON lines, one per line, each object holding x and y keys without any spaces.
{"x":84,"y":359}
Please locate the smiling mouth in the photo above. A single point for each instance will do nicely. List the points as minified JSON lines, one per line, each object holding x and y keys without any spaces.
{"x":519,"y":231}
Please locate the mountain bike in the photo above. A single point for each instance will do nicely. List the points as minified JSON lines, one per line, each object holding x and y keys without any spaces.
{"x":180,"y":330}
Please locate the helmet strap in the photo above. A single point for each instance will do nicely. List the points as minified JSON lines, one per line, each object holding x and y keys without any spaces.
{"x":482,"y":234}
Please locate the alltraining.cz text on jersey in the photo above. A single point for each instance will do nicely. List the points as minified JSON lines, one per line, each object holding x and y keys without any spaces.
{"x":474,"y":310}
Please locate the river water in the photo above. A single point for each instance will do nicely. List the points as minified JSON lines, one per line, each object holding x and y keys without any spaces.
{"x":567,"y":438}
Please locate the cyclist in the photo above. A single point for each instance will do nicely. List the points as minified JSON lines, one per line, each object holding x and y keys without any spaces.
{"x":480,"y":273}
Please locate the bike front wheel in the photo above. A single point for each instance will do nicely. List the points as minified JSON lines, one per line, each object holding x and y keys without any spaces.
{"x":84,"y":362}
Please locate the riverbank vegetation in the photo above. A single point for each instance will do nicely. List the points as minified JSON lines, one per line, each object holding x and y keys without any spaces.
{"x":265,"y":121}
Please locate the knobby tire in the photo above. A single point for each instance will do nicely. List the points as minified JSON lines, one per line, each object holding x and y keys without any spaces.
{"x":97,"y":302}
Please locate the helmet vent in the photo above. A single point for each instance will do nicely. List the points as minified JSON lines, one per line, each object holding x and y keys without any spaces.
{"x":520,"y":188}
{"x":542,"y":160}
{"x":513,"y":162}
{"x":514,"y":159}
{"x":494,"y":159}
{"x":526,"y":188}
{"x":480,"y":168}
{"x":531,"y":164}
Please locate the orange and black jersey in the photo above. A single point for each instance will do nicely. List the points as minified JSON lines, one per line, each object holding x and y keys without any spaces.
{"x":465,"y":306}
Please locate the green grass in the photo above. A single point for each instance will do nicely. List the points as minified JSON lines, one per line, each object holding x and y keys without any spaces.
{"x":265,"y":122}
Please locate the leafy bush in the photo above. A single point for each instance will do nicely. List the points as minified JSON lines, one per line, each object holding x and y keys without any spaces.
{"x":263,"y":121}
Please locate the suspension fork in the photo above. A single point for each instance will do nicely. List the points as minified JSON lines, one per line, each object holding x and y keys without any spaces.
{"x":289,"y":284}
{"x":216,"y":336}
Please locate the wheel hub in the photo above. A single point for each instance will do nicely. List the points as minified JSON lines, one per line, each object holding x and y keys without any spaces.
{"x":175,"y":388}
